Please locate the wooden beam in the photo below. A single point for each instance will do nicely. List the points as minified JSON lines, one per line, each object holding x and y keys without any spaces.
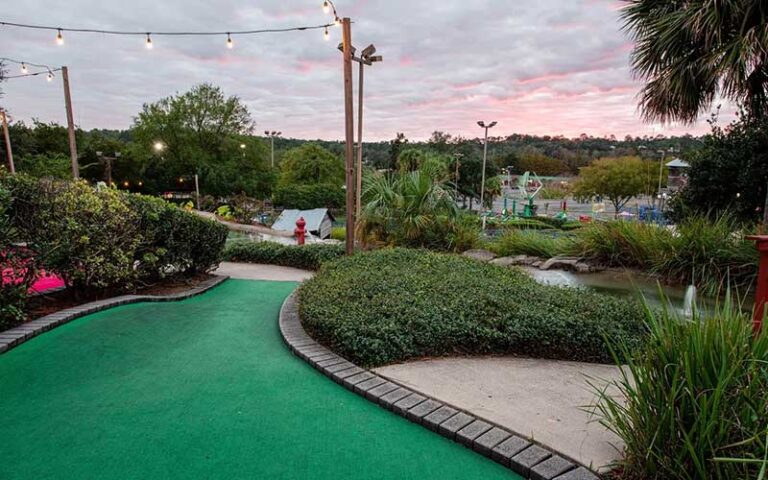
{"x":70,"y":123}
{"x":8,"y":149}
{"x":349,"y":160}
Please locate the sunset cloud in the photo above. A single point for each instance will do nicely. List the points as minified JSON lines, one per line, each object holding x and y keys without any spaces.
{"x":554,"y":67}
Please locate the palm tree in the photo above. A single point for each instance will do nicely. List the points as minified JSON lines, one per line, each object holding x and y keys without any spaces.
{"x":691,"y":52}
{"x":405,"y":208}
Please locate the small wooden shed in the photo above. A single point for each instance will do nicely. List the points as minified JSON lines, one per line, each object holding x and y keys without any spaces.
{"x":319,"y":221}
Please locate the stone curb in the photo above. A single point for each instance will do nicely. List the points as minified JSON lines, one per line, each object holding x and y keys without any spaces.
{"x":16,"y":336}
{"x":524,"y":457}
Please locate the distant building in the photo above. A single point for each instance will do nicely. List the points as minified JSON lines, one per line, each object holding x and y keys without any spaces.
{"x":319,"y":221}
{"x":678,"y":174}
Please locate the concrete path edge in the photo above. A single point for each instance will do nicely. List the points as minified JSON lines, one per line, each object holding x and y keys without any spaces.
{"x":523,"y":456}
{"x":16,"y":336}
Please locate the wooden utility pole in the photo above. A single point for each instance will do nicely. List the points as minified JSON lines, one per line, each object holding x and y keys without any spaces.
{"x":359,"y":170}
{"x":349,"y":157}
{"x":8,"y":150}
{"x":70,"y":123}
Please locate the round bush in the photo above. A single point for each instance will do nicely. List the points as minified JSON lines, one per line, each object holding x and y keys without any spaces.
{"x":391,"y":305}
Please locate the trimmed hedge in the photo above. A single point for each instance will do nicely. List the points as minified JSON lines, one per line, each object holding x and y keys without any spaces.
{"x":99,"y":239}
{"x":391,"y":305}
{"x":307,"y":257}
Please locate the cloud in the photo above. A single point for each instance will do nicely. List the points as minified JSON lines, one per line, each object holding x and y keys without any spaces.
{"x":554,"y":67}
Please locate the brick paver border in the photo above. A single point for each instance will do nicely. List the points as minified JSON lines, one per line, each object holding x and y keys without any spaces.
{"x":526,"y":458}
{"x":18,"y":335}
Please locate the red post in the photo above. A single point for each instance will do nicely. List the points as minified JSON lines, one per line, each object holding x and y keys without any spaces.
{"x":300,"y":231}
{"x":761,"y":295}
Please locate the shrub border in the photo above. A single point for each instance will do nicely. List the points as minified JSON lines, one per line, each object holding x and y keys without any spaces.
{"x":16,"y":336}
{"x":528,"y":459}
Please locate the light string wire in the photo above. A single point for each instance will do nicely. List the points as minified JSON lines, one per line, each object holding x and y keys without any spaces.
{"x":25,"y":71}
{"x":165,"y":33}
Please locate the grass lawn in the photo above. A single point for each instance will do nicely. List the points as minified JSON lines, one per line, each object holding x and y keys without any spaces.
{"x":202,"y":388}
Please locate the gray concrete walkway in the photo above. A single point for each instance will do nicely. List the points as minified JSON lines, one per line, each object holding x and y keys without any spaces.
{"x":541,"y":399}
{"x":253,"y":271}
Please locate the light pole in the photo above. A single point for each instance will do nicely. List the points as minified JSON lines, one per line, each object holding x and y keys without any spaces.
{"x":661,"y":169}
{"x":366,"y":57}
{"x":456,"y":177}
{"x":272,"y":136}
{"x":485,"y":160}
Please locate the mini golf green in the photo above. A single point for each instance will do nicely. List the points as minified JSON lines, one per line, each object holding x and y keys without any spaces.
{"x":203,"y":388}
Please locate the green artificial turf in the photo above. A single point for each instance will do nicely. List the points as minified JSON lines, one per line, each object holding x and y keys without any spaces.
{"x":203,"y":388}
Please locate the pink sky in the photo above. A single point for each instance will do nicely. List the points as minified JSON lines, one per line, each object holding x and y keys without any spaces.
{"x":559,"y":67}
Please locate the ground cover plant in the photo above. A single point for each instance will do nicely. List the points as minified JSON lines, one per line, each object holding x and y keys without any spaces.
{"x":394,"y":304}
{"x":308,"y":257}
{"x":696,"y":399}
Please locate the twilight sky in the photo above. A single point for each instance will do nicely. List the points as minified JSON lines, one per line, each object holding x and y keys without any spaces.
{"x":536,"y":66}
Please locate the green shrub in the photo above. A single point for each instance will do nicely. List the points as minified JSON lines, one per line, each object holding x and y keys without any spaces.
{"x":308,"y":257}
{"x":16,"y":268}
{"x":98,"y":239}
{"x":538,"y":244}
{"x":306,"y":197}
{"x":395,"y":304}
{"x":339,"y":233}
{"x":692,"y":404}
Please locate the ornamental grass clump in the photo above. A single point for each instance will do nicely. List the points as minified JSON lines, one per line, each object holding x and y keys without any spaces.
{"x":394,"y":304}
{"x":693,"y":401}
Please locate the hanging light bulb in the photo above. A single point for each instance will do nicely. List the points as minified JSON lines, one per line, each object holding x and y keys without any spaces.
{"x":24,"y":69}
{"x":326,"y":7}
{"x":337,"y":21}
{"x":230,"y":43}
{"x":50,"y":76}
{"x":149,"y":42}
{"x":59,"y":38}
{"x":326,"y":35}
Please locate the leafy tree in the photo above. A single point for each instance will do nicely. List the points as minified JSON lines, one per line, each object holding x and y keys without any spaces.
{"x":53,"y":165}
{"x":690,"y":53}
{"x":440,"y":142}
{"x":729,"y":174}
{"x":395,"y":147}
{"x":617,"y":179}
{"x":200,"y":132}
{"x":311,"y":164}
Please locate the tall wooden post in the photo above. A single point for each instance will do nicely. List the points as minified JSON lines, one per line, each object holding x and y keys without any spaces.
{"x":359,"y":169}
{"x":70,"y":123}
{"x":8,"y":150}
{"x":349,"y":160}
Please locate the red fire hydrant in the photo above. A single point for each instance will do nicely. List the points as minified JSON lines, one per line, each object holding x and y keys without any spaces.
{"x":761,"y":295}
{"x":300,"y":231}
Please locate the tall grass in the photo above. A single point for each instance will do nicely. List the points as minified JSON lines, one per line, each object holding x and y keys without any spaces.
{"x":531,"y":242}
{"x":696,"y":399}
{"x":709,"y":254}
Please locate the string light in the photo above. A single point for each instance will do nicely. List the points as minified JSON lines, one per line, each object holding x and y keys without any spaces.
{"x":326,"y":7}
{"x":326,"y":35}
{"x":50,"y":76}
{"x":25,"y":68}
{"x":230,"y":43}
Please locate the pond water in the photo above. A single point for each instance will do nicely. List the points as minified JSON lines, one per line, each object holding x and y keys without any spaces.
{"x":622,"y":284}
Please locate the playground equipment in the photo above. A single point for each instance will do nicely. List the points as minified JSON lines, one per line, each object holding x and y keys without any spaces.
{"x":529,"y":185}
